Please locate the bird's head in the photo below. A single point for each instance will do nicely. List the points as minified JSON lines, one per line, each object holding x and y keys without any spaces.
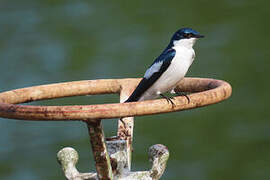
{"x":185,"y":37}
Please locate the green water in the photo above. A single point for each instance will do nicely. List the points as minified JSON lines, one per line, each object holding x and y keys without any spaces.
{"x":44,"y":42}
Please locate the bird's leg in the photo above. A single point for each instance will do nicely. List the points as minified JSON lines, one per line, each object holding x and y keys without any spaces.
{"x":169,"y":99}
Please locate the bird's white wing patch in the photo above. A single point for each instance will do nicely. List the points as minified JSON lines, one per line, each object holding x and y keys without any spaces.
{"x":154,"y":68}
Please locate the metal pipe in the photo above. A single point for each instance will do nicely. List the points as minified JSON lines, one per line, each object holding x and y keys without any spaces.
{"x":101,"y":156}
{"x":210,"y":91}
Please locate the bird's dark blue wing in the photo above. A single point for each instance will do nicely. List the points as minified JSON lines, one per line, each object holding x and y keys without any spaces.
{"x":159,"y":66}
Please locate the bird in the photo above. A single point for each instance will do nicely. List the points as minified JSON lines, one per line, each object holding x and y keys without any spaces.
{"x":169,"y":68}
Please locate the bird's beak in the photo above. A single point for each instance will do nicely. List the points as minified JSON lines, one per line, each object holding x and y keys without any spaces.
{"x":199,"y":36}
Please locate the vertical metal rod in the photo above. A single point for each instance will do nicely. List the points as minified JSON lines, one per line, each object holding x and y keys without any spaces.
{"x":125,"y":131}
{"x":101,"y":156}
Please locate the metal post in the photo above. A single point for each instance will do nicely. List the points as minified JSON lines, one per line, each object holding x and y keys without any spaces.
{"x":125,"y":131}
{"x":102,"y":159}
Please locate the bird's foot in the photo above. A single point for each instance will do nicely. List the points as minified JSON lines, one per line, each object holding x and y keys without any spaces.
{"x":124,"y":124}
{"x":169,"y":99}
{"x":124,"y":130}
{"x":183,"y":94}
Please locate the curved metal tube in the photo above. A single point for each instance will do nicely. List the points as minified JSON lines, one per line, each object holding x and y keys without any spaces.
{"x":205,"y":92}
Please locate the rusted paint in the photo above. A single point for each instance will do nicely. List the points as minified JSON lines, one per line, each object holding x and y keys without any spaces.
{"x":221,"y":90}
{"x":125,"y":131}
{"x":158,"y":155}
{"x":68,"y":158}
{"x":114,"y":165}
{"x":101,"y":156}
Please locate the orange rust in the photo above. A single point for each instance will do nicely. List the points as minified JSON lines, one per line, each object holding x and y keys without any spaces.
{"x":204,"y":92}
{"x":207,"y":91}
{"x":101,"y":156}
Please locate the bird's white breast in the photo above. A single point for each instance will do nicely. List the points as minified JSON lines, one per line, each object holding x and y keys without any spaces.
{"x":176,"y":71}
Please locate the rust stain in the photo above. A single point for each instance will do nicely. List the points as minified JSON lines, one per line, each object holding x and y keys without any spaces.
{"x":12,"y":109}
{"x":106,"y":111}
{"x":210,"y":85}
{"x":101,"y":156}
{"x":114,"y":165}
{"x":224,"y":93}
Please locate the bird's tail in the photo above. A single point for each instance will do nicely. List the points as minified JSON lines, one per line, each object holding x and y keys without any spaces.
{"x":132,"y":98}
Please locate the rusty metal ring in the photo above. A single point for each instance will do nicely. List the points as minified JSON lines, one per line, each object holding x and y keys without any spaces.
{"x":204,"y":92}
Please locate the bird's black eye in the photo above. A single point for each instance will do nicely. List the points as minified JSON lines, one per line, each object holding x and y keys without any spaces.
{"x":188,"y":35}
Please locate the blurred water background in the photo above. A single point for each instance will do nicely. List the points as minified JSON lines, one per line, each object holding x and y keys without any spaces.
{"x":50,"y":41}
